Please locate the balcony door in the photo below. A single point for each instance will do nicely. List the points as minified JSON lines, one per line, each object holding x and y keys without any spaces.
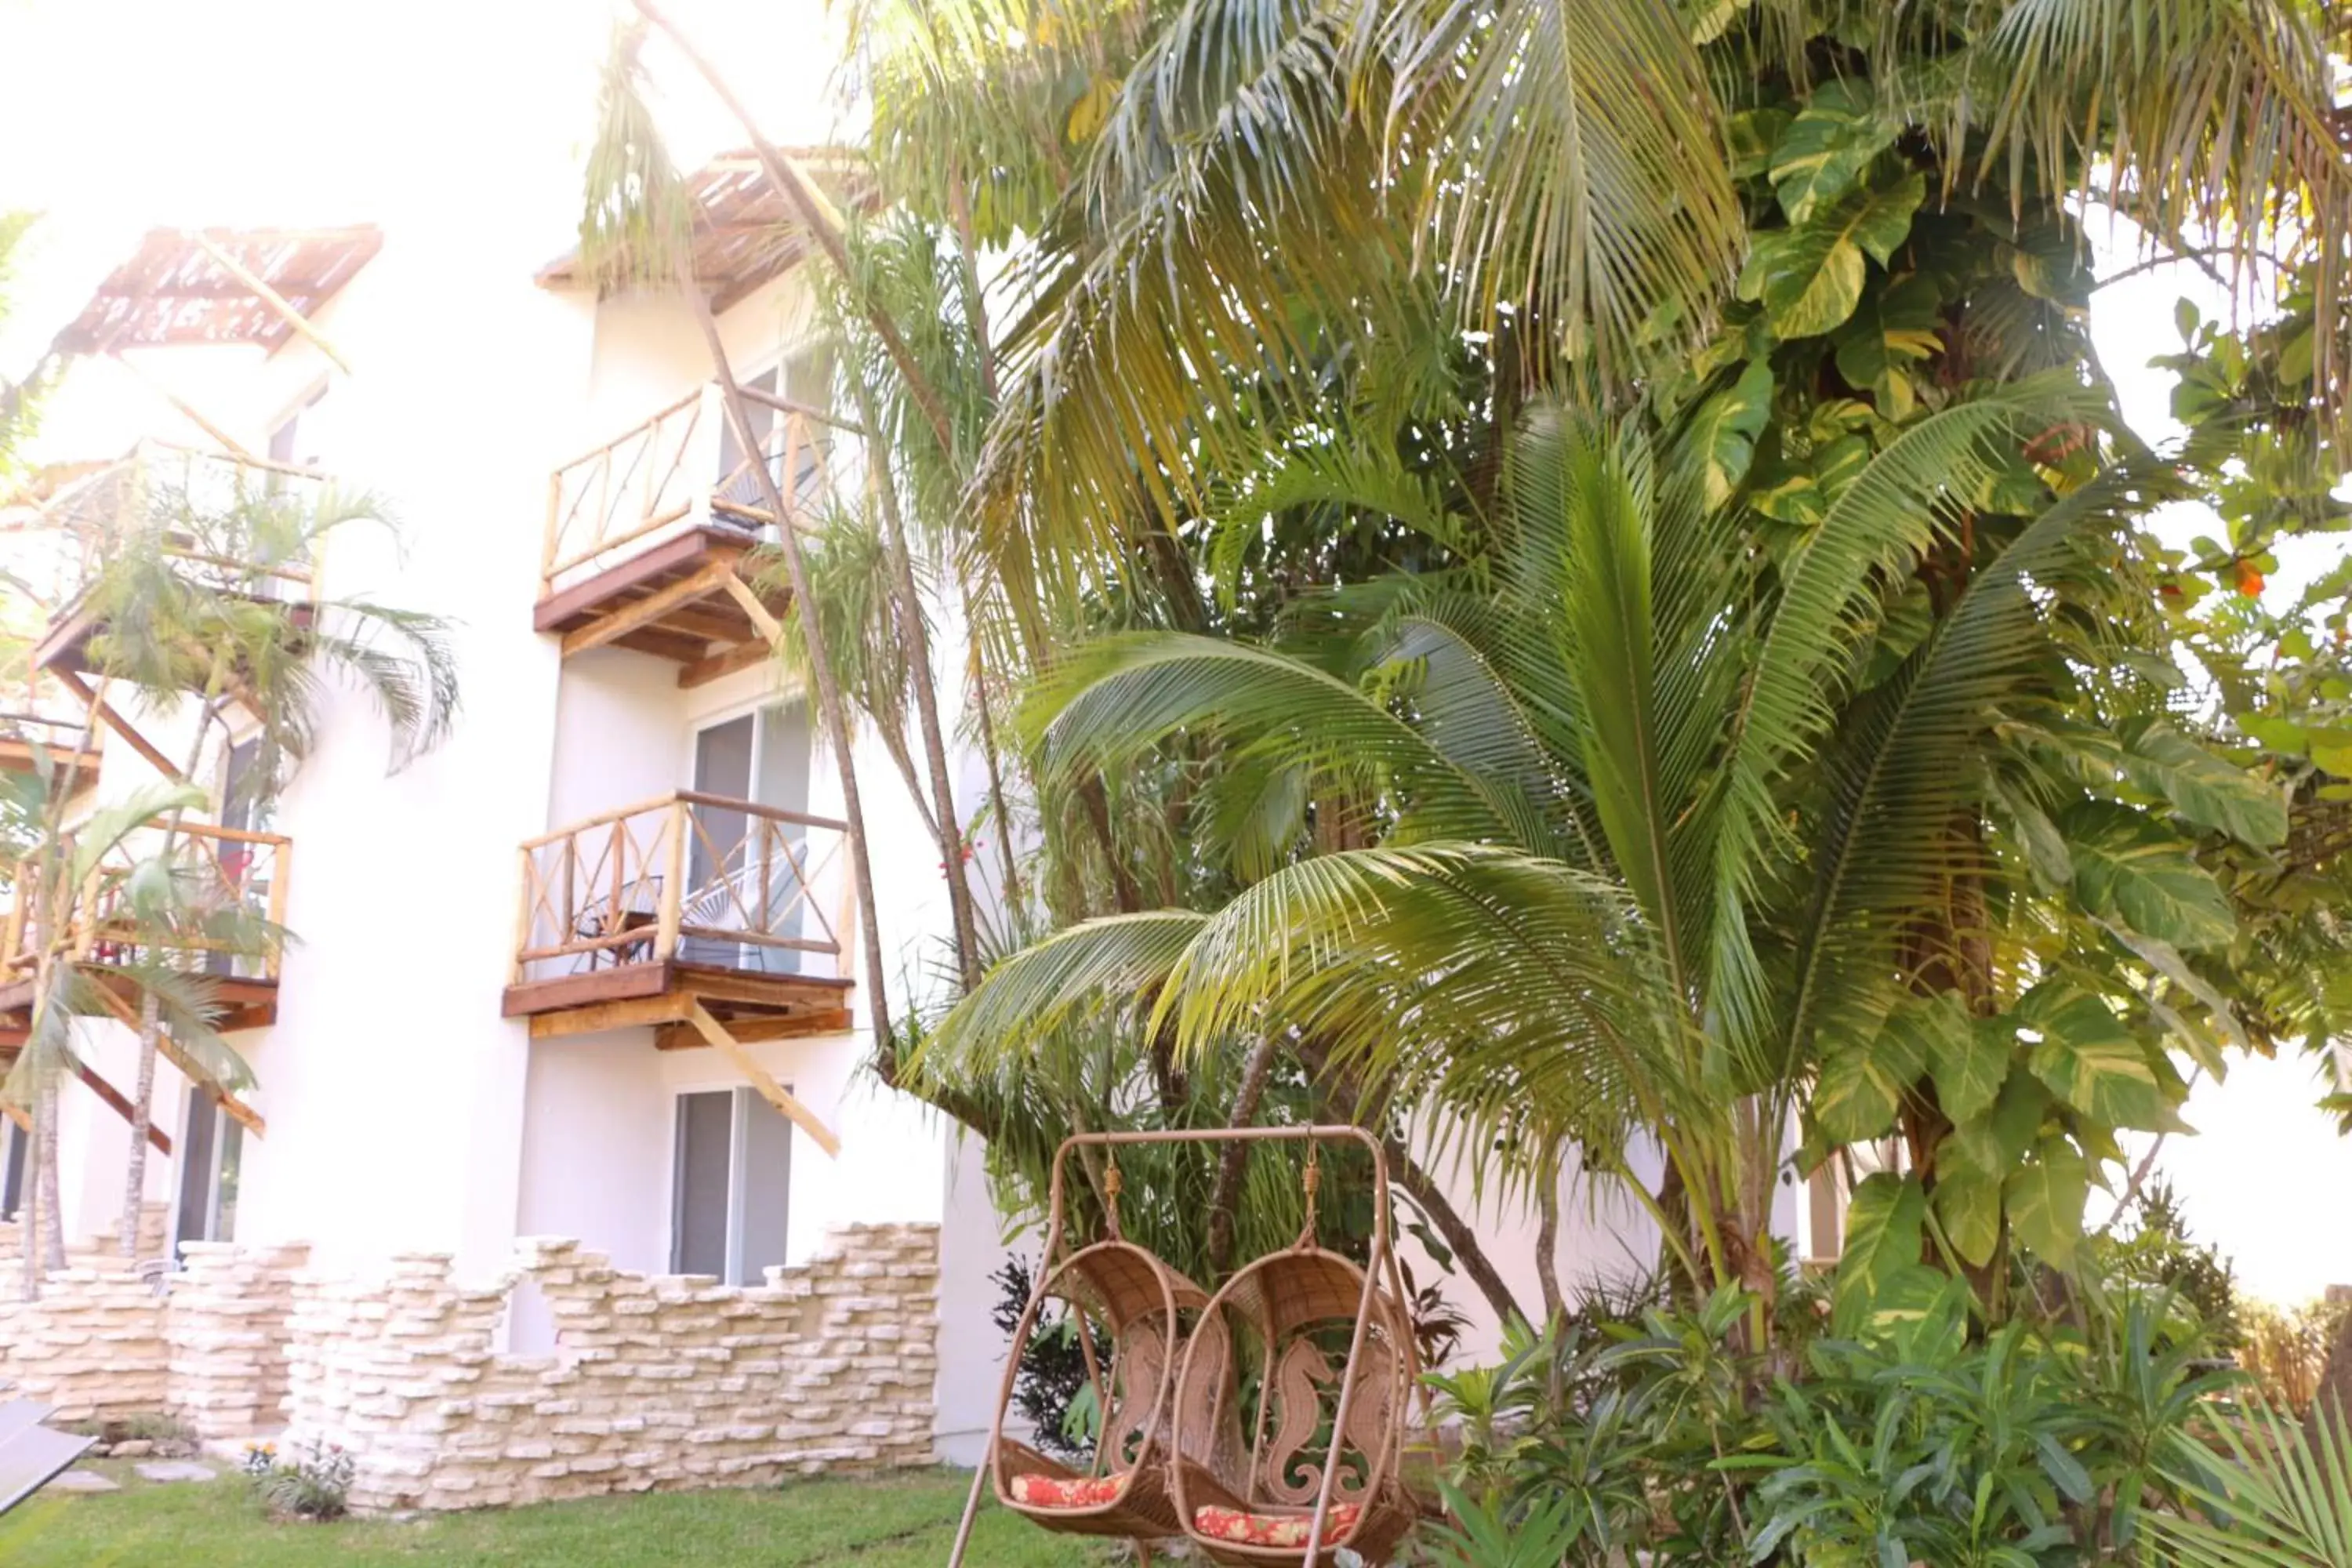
{"x":211,"y":1157}
{"x":801,"y":378}
{"x":740,"y":873}
{"x":248,"y":805}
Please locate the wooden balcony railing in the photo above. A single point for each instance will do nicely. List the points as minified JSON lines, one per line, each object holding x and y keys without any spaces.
{"x":689,"y":878}
{"x":222,"y":872}
{"x":679,"y":470}
{"x":94,"y":517}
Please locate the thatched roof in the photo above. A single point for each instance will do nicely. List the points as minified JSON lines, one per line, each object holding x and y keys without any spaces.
{"x":744,"y":234}
{"x":198,"y":286}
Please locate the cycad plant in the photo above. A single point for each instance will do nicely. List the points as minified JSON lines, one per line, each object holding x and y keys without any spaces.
{"x":207,"y":595}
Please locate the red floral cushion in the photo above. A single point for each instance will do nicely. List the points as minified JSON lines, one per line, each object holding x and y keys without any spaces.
{"x":1073,"y":1491}
{"x":1275,"y":1529}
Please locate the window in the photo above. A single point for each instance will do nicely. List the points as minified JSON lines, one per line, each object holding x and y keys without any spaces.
{"x":291,"y":442}
{"x":16,"y":1151}
{"x":211,"y":1150}
{"x":731,"y":1182}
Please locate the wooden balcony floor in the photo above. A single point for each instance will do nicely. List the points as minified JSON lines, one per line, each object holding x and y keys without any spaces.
{"x":751,"y":1005}
{"x":671,"y":600}
{"x":244,"y":1003}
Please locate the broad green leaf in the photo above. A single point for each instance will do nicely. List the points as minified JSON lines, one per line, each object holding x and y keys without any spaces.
{"x":2046,"y":854}
{"x":1968,"y":1206}
{"x":1852,"y":1102}
{"x":1861,"y":1087}
{"x":2045,"y":1200}
{"x":1883,"y":1228}
{"x":1724,"y":430}
{"x":1995,"y":1142}
{"x":2207,"y":790}
{"x":1970,"y":1063}
{"x":1894,"y":329}
{"x":2092,"y":1062}
{"x":1810,"y":276}
{"x":1750,"y":136}
{"x":2130,"y":870}
{"x":1827,"y":146}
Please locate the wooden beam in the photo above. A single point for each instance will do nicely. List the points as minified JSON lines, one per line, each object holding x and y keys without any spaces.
{"x":270,"y":297}
{"x":169,"y":1049}
{"x":17,"y":1114}
{"x":649,"y":568}
{"x":118,"y":724}
{"x":187,"y":410}
{"x":740,"y":591}
{"x":718,"y":666}
{"x":602,"y":1015}
{"x":619,"y":622}
{"x":114,"y":1097}
{"x":772,"y":1092}
{"x":752,"y":1029}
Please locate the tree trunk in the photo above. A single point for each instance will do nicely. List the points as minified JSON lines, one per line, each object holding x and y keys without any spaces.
{"x":996,"y":801}
{"x":1548,"y":1244}
{"x":1456,"y":1231}
{"x":810,"y":207}
{"x":29,"y":1218}
{"x":828,"y":690}
{"x":150,"y":1021}
{"x":926,"y":701}
{"x":44,"y":1149}
{"x":142,"y":1099}
{"x":1233,"y":1162}
{"x":2334,"y":1393}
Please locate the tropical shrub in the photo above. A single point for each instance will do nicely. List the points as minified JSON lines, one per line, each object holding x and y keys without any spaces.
{"x":1050,"y":1388}
{"x":1910,"y":1442}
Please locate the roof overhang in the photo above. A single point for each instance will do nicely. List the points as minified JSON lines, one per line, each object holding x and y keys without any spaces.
{"x":220,"y":286}
{"x":744,"y":234}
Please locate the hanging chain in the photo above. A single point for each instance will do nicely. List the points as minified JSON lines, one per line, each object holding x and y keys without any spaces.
{"x":1312,"y":1180}
{"x":1111,"y":1196}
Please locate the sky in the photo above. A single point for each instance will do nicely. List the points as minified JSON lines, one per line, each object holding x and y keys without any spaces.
{"x":121,"y":115}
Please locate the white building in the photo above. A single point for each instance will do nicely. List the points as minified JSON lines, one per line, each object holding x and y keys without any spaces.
{"x":493,"y":1024}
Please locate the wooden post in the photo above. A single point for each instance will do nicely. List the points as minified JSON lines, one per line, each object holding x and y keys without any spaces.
{"x":673,"y":899}
{"x":530,"y":906}
{"x":768,"y":831}
{"x":703,"y":466}
{"x":844,"y":956}
{"x":552,"y":541}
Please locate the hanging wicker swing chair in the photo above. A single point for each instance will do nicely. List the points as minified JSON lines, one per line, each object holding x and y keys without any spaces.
{"x":1321,"y":1468}
{"x":1122,"y":1290}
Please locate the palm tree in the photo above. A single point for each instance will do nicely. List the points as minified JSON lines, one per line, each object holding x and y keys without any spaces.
{"x":104,"y":915}
{"x":207,"y":593}
{"x":1217,"y":188}
{"x":1664,"y":816}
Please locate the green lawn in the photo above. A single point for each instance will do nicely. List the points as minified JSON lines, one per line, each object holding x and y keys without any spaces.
{"x":906,"y":1521}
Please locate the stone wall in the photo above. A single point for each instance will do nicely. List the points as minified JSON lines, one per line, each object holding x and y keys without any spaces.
{"x":93,"y":1344}
{"x":656,"y":1382}
{"x":225,"y":1332}
{"x":660,"y":1381}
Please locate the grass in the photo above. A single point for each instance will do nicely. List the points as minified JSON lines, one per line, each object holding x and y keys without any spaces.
{"x":904,"y":1521}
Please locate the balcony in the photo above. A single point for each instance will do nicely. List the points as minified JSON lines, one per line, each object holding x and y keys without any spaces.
{"x":687,"y":913}
{"x":67,"y":736}
{"x":647,"y":535}
{"x":222,"y":871}
{"x":201,"y":499}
